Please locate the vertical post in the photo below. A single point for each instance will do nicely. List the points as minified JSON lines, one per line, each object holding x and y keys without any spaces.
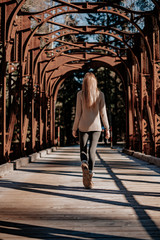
{"x":32,"y":103}
{"x":133,"y":104}
{"x":130,"y":115}
{"x":21,"y":118}
{"x":33,"y":89}
{"x":142,"y":102}
{"x":127,"y":119}
{"x":54,"y":108}
{"x":154,"y":94}
{"x":43,"y":120}
{"x":4,"y":117}
{"x":40,"y":117}
{"x":115,"y":123}
{"x":21,"y":93}
{"x":156,"y":86}
{"x":32,"y":119}
{"x":52,"y":122}
{"x":46,"y":120}
{"x":59,"y":129}
{"x":3,"y":15}
{"x":59,"y":136}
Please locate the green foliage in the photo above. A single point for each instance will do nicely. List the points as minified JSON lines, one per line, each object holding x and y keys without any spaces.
{"x":145,"y":5}
{"x":35,"y":5}
{"x":65,"y":109}
{"x":111,"y":85}
{"x":106,"y":20}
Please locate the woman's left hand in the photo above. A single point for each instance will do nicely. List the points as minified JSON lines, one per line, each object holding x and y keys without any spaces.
{"x":74,"y":133}
{"x":107,"y":135}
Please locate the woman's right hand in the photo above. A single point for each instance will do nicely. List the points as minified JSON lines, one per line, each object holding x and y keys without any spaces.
{"x":74,"y":133}
{"x":107,"y":135}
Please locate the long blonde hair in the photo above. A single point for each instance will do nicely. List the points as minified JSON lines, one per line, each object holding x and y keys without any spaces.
{"x":90,"y":90}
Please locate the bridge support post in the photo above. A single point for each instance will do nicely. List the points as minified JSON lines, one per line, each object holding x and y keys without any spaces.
{"x":156,"y":90}
{"x":41,"y":124}
{"x":130,"y":115}
{"x":141,"y":92}
{"x":52,"y":121}
{"x":3,"y":79}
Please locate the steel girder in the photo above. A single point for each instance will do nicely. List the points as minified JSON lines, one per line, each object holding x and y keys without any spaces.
{"x":31,"y":73}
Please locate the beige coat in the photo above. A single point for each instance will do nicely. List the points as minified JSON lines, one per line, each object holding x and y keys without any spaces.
{"x":88,"y":119}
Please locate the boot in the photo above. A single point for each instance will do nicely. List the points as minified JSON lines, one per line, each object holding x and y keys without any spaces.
{"x":85,"y":171}
{"x":90,"y":182}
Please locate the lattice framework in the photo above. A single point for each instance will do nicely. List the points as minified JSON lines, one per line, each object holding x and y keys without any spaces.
{"x":31,"y":73}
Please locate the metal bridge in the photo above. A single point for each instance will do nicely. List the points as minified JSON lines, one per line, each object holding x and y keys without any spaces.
{"x":46,"y":198}
{"x":32,"y":69}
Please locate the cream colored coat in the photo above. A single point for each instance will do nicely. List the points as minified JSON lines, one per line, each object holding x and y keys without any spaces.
{"x":88,"y":119}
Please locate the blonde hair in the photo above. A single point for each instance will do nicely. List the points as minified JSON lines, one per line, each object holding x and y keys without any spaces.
{"x":90,"y":90}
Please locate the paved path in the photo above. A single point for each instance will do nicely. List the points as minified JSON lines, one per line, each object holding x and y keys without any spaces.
{"x":46,"y":199}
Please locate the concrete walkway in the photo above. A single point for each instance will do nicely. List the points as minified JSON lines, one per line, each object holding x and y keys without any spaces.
{"x":46,"y":199}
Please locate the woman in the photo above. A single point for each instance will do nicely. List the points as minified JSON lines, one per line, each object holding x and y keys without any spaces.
{"x":89,"y":107}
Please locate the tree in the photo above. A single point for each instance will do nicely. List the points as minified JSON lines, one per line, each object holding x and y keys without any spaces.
{"x":35,"y":5}
{"x":143,"y":5}
{"x":111,"y":85}
{"x":65,"y":109}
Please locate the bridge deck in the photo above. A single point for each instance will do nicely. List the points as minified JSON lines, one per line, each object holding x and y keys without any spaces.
{"x":46,"y":199}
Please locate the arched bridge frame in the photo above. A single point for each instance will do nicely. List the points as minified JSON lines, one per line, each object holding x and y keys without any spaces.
{"x":32,"y":69}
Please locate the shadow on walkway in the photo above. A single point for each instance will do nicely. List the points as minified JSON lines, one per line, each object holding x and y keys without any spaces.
{"x":100,"y":197}
{"x":139,"y":209}
{"x":32,"y":231}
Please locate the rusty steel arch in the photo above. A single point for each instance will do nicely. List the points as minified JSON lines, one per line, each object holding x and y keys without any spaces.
{"x":25,"y":66}
{"x":105,"y":33}
{"x":29,"y":38}
{"x":64,"y":11}
{"x":96,"y":57}
{"x":115,"y":36}
{"x":96,"y":64}
{"x":108,"y":33}
{"x":99,"y":62}
{"x":112,"y":11}
{"x":71,"y":32}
